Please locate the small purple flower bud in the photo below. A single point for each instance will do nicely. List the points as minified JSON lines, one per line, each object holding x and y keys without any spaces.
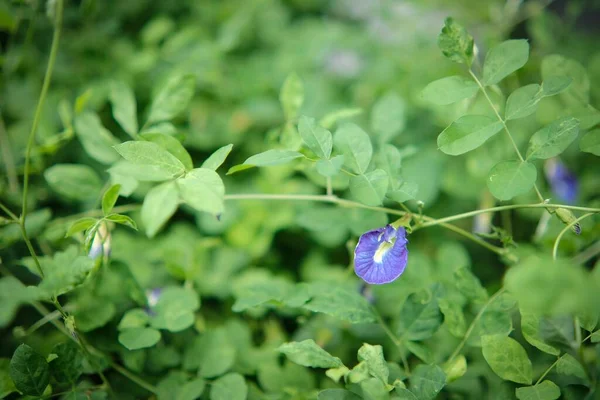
{"x":381,"y":255}
{"x":563,"y":182}
{"x":153,"y":295}
{"x":101,"y":245}
{"x":367,"y":292}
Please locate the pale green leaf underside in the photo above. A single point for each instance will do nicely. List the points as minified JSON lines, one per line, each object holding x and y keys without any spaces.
{"x":203,"y":189}
{"x":308,"y":354}
{"x":449,"y":90}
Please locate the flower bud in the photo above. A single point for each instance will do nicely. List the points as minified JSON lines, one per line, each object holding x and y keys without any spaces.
{"x":567,"y":217}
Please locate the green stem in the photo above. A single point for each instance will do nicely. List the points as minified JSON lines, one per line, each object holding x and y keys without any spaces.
{"x":352,"y":204}
{"x":510,"y":137}
{"x":36,"y":121}
{"x":12,"y":215}
{"x":548,"y":370}
{"x":134,"y":378}
{"x":472,"y":326}
{"x":565,"y":229}
{"x":40,"y":104}
{"x":507,"y":207}
{"x":393,"y":338}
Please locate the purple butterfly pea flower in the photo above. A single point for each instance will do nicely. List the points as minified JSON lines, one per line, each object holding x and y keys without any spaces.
{"x":381,"y":255}
{"x":562,"y":181}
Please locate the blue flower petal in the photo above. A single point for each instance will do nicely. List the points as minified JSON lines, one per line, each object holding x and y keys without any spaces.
{"x":381,"y":255}
{"x":563,"y":182}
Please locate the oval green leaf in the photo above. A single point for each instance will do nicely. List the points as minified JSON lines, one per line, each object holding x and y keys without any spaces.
{"x":508,"y":179}
{"x":467,"y":133}
{"x":507,"y":358}
{"x":553,"y":139}
{"x":504,"y":59}
{"x":449,"y":90}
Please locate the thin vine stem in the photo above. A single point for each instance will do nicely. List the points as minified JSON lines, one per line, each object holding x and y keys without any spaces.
{"x":507,"y":207}
{"x":38,"y":110}
{"x":397,"y":342}
{"x":353,"y":204}
{"x":512,"y":140}
{"x":472,"y":326}
{"x":565,"y":229}
{"x":547,"y":371}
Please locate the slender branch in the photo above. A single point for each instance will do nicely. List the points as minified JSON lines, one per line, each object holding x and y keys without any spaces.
{"x":565,"y":229}
{"x":9,"y":161}
{"x":510,"y":137}
{"x":40,"y":104}
{"x":397,"y":342}
{"x":134,"y":378}
{"x":548,"y":370}
{"x":353,"y":204}
{"x":12,"y":215}
{"x":507,"y":207}
{"x":472,"y":326}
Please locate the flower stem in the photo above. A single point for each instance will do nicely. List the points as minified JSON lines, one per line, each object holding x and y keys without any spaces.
{"x":510,"y":137}
{"x":472,"y":326}
{"x":565,"y":229}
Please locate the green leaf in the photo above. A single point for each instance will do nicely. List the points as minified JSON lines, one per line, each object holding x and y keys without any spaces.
{"x":159,"y":205}
{"x":467,"y":133}
{"x":508,"y":179}
{"x":590,"y":142}
{"x":152,"y":157}
{"x":420,"y":316}
{"x":337,"y":394}
{"x":404,"y":394}
{"x":172,"y":98}
{"x":553,"y":139}
{"x":469,"y":285}
{"x":376,"y":364}
{"x":29,"y":371}
{"x":308,"y":354}
{"x":595,"y":337}
{"x":64,"y":271}
{"x":449,"y":90}
{"x":96,"y":140}
{"x":455,"y":42}
{"x":523,"y":101}
{"x":212,"y":353}
{"x":266,"y":159}
{"x":507,"y":358}
{"x":406,"y":191}
{"x":175,"y":309}
{"x":74,"y":181}
{"x":504,"y":59}
{"x":68,"y":365}
{"x":388,"y":117}
{"x":172,"y":145}
{"x":389,"y":159}
{"x":81,"y":225}
{"x":124,"y":109}
{"x":351,"y":141}
{"x":427,"y":381}
{"x":134,"y":318}
{"x":317,"y":138}
{"x":545,"y":390}
{"x":578,"y":92}
{"x":555,"y":84}
{"x":216,"y":159}
{"x":329,"y":120}
{"x":370,"y":188}
{"x":191,"y":390}
{"x":454,"y":318}
{"x":7,"y":386}
{"x":530,"y":327}
{"x":331,"y":167}
{"x":110,"y":198}
{"x":420,"y":350}
{"x":139,"y":338}
{"x":229,"y":387}
{"x":455,"y":368}
{"x":291,"y":96}
{"x":371,"y":388}
{"x":568,"y":365}
{"x":203,"y":189}
{"x":122,"y":220}
{"x":340,"y":303}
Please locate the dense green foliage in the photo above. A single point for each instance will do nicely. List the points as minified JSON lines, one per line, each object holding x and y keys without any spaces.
{"x":183,"y":185}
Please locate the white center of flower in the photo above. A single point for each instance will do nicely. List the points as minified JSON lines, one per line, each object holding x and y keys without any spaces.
{"x":382,"y":250}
